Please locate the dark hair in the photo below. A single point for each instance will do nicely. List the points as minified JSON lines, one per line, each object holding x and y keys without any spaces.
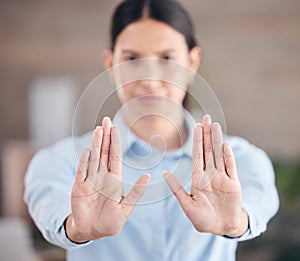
{"x":167,"y":11}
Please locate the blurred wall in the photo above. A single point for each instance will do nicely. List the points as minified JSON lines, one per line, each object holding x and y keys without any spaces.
{"x":251,"y":60}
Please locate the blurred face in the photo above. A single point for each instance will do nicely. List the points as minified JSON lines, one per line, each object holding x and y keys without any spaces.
{"x":148,"y":38}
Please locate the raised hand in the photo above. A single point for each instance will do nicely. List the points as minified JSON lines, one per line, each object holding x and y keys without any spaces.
{"x":99,"y":208}
{"x":215,"y":202}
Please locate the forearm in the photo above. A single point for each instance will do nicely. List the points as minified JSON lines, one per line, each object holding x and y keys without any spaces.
{"x":260,"y":197}
{"x":49,"y":208}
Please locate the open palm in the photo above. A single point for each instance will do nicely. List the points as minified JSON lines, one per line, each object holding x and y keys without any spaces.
{"x":215,"y":202}
{"x":99,"y":207}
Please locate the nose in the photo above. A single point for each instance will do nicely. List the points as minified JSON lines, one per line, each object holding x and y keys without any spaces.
{"x":149,"y":83}
{"x":151,"y":73}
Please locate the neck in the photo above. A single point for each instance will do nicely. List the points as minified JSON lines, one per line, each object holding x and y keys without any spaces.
{"x":160,"y":132}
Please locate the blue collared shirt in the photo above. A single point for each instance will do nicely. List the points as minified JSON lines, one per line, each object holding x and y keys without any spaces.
{"x":157,"y":229}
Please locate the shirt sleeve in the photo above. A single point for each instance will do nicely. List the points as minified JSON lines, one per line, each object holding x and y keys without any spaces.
{"x":259,"y":194}
{"x":48,"y":184}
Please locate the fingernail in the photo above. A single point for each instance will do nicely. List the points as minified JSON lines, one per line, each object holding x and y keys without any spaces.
{"x":199,"y":126}
{"x":227,"y":148}
{"x":216,"y":126}
{"x":106,"y":124}
{"x":98,"y":130}
{"x":86,"y":152}
{"x":165,"y":174}
{"x":107,"y":119}
{"x":208,"y":118}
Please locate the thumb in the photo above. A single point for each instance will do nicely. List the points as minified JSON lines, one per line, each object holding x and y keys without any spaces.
{"x":136,"y":193}
{"x":182,"y":196}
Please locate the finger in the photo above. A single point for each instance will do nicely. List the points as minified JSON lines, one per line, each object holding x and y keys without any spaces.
{"x":207,"y":140}
{"x":81,"y":173}
{"x":218,"y":143}
{"x":135,"y":194}
{"x":182,"y":196}
{"x":95,"y":152}
{"x":115,"y":156}
{"x":198,"y":152}
{"x":106,"y":125}
{"x":110,"y":187}
{"x":229,"y":161}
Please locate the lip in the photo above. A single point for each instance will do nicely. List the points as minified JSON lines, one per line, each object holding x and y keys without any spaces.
{"x":150,"y":100}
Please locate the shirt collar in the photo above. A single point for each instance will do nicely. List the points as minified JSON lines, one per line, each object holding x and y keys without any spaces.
{"x":128,"y":138}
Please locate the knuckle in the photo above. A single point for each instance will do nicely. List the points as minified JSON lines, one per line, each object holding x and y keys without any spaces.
{"x":105,"y":151}
{"x":94,"y":159}
{"x":198,"y":156}
{"x":197,"y":172}
{"x":96,"y":146}
{"x":208,"y":148}
{"x":135,"y":192}
{"x":116,"y":231}
{"x":218,"y":141}
{"x":218,"y":155}
{"x":188,"y":210}
{"x":83,"y":161}
{"x":79,"y":172}
{"x":114,"y":157}
{"x":102,"y":168}
{"x":207,"y":130}
{"x":198,"y":138}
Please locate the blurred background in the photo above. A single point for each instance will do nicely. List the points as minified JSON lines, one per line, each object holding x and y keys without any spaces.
{"x":51,"y":50}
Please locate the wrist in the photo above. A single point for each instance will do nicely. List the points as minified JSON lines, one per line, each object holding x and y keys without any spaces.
{"x":70,"y":230}
{"x":242,"y":228}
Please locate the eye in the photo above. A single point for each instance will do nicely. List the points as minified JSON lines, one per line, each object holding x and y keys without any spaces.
{"x":167,"y":57}
{"x":131,"y":58}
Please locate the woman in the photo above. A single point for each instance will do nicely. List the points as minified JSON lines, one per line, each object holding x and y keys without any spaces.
{"x":94,"y":219}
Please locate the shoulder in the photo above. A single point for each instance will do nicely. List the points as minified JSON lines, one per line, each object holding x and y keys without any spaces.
{"x":250,"y":158}
{"x":242,"y":147}
{"x":63,"y":152}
